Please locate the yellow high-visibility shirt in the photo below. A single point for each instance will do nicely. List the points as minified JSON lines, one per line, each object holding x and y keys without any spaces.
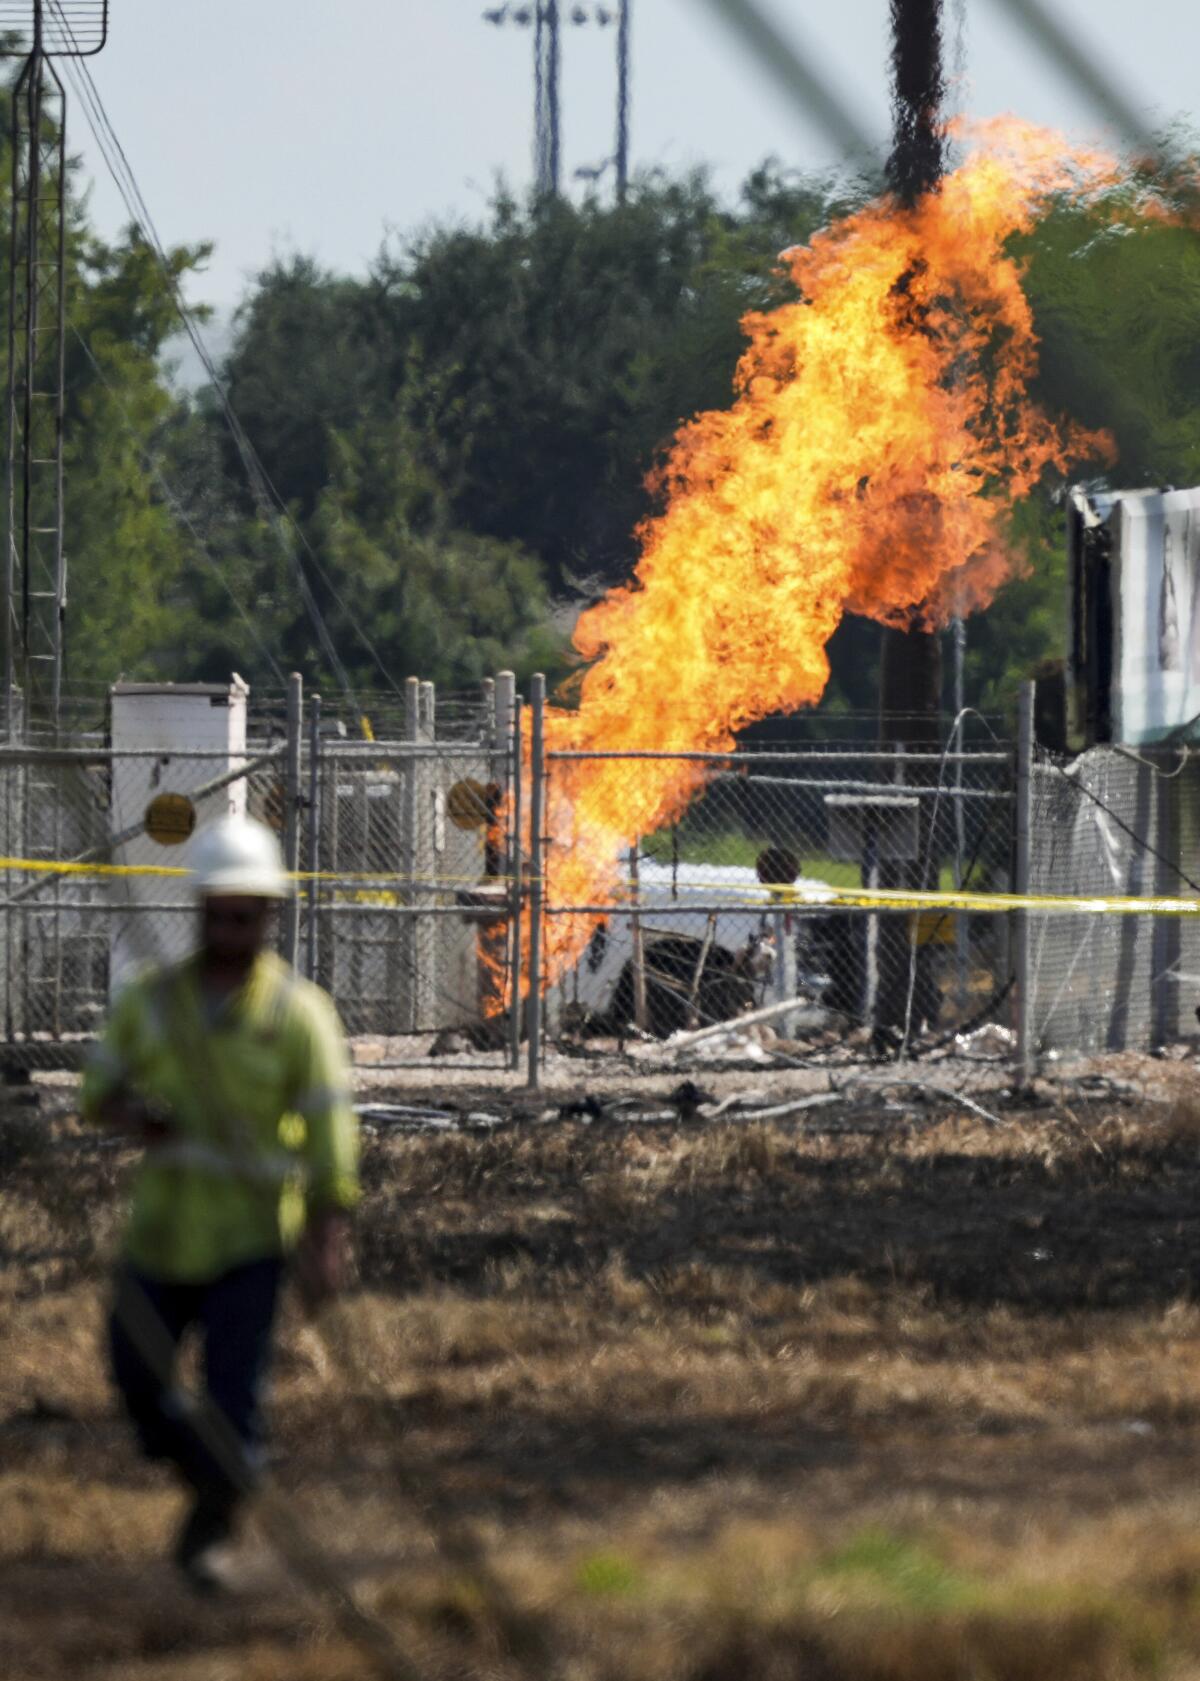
{"x":257,"y":1095}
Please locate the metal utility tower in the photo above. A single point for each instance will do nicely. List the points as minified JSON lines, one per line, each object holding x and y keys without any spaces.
{"x":35,"y":587}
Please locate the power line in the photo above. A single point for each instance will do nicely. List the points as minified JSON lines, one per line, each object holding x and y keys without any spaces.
{"x":260,"y":485}
{"x":1068,"y":51}
{"x":175,"y":507}
{"x":271,"y":503}
{"x":780,"y":59}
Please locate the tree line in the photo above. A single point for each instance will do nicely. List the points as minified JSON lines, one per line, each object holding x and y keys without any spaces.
{"x":461,"y":437}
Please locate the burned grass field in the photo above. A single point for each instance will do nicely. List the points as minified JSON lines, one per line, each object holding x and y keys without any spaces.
{"x":862,"y":1395}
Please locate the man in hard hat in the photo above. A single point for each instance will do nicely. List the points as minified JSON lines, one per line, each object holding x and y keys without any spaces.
{"x":231,"y":1071}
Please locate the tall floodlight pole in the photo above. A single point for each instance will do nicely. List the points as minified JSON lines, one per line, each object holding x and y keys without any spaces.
{"x":540,"y":163}
{"x":553,"y":107}
{"x":35,"y":578}
{"x":547,"y":19}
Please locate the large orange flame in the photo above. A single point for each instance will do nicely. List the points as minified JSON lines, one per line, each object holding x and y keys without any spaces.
{"x":880,"y":434}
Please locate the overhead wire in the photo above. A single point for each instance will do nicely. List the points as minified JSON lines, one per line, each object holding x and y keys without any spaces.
{"x":266,"y":497}
{"x":271,"y":504}
{"x":1068,"y":51}
{"x":780,"y":59}
{"x":176,"y":509}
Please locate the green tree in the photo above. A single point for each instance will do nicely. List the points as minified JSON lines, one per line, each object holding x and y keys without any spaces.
{"x":454,"y":605}
{"x":303,"y":368}
{"x":1116,"y":301}
{"x":125,"y":550}
{"x":543,"y":361}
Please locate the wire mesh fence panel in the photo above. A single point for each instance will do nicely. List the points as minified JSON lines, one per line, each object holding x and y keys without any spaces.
{"x":759,"y":889}
{"x":405,"y":842}
{"x":400,"y":848}
{"x":93,"y":889}
{"x":55,"y":960}
{"x":1114,"y":824}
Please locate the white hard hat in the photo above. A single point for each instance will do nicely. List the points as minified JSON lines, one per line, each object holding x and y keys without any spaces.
{"x":236,"y":855}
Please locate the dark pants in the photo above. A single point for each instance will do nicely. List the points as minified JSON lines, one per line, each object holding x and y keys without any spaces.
{"x":219,"y":1452}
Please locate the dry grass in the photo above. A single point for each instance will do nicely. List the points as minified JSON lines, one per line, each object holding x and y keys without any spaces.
{"x":736,"y":1401}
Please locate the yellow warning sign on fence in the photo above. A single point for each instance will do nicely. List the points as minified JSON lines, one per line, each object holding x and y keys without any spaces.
{"x":933,"y":928}
{"x":170,"y":819}
{"x":467,"y":804}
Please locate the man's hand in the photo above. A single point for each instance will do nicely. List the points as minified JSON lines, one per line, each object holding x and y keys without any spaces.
{"x":323,"y":1257}
{"x":132,"y":1117}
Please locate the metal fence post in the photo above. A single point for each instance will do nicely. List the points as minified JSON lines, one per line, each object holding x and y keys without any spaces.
{"x":1023,"y":978}
{"x":640,"y":1016}
{"x":516,"y":889}
{"x":407,"y":947}
{"x":504,"y":736}
{"x":537,"y":865}
{"x":293,"y":801}
{"x":314,"y":832}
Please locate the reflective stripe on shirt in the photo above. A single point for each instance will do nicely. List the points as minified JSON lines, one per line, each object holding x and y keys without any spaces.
{"x":318,"y":1100}
{"x":268,"y":1168}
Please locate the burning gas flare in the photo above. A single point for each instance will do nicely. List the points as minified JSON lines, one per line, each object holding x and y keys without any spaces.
{"x":880,"y":435}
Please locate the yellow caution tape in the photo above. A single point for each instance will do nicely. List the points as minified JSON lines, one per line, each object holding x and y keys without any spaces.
{"x":907,"y":899}
{"x":71,"y":867}
{"x":780,"y":898}
{"x":60,"y":867}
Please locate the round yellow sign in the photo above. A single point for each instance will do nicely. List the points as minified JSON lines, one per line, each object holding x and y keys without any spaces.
{"x":467,"y":804}
{"x":777,"y":866}
{"x":170,"y":819}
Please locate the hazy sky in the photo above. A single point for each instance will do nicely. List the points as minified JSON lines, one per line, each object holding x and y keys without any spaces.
{"x":280,"y":125}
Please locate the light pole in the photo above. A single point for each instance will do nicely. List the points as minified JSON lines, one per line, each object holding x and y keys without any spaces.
{"x":623,"y":99}
{"x":546,"y":18}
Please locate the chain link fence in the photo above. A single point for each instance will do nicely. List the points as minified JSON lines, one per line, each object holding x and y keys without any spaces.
{"x":1109,"y":823}
{"x":394,"y":841}
{"x":401,"y":845}
{"x":88,"y":896}
{"x":763,"y":895}
{"x":745,"y":901}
